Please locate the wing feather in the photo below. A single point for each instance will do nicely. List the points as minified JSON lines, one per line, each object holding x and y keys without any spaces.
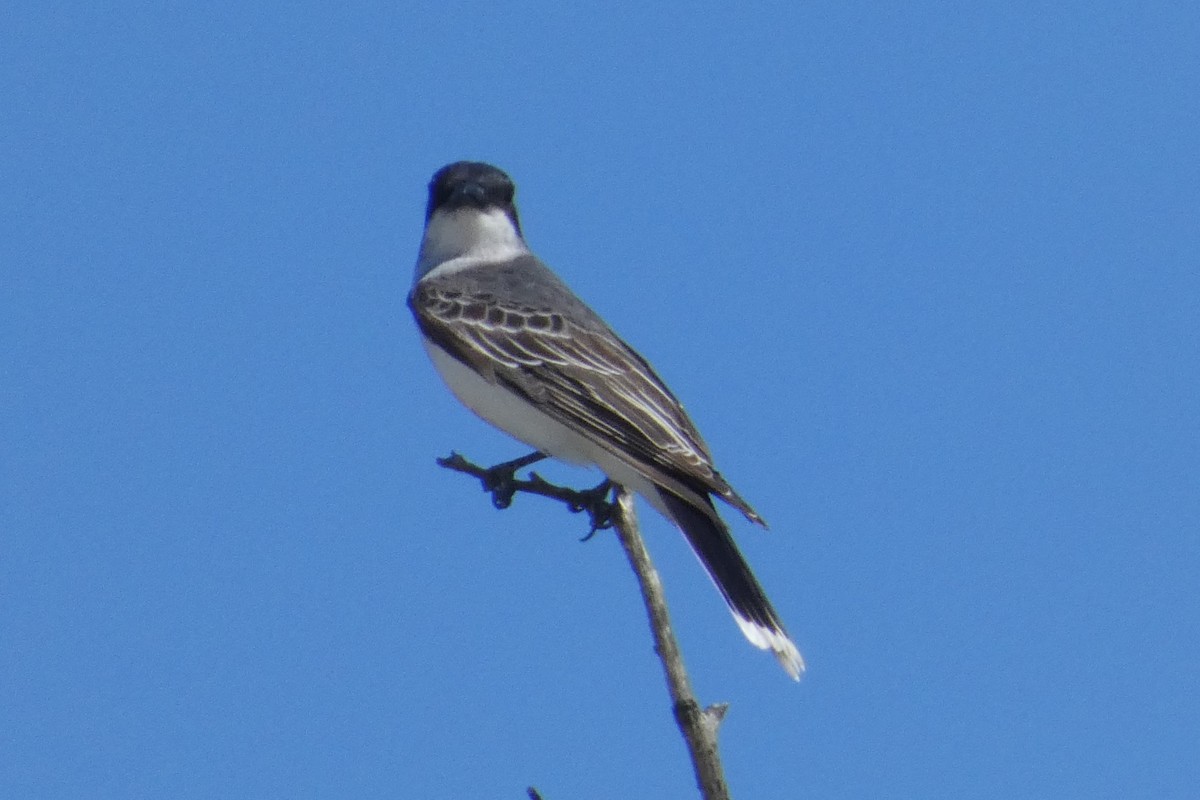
{"x":583,"y":375}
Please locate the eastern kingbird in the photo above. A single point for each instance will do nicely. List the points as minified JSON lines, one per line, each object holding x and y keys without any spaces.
{"x":522,"y":351}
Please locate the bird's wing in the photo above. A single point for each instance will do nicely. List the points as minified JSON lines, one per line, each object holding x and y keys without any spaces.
{"x":584,"y":377}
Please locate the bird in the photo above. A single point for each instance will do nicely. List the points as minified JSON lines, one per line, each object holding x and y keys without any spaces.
{"x":518,"y":348}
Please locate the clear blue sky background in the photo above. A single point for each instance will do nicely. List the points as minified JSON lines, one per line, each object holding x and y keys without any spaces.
{"x":926,"y":276}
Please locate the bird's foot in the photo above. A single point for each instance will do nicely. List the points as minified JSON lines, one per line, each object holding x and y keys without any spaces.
{"x":600,"y":509}
{"x":501,"y":480}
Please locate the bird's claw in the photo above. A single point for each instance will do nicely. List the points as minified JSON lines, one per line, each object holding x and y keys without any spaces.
{"x":501,"y":480}
{"x":596,"y":503}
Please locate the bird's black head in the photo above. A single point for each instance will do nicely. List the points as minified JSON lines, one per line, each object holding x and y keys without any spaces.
{"x":470,"y":184}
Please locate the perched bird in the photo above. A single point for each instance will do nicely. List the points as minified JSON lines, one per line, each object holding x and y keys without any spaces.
{"x":524,"y":353}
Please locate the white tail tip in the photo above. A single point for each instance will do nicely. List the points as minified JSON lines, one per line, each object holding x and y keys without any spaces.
{"x":777,"y":642}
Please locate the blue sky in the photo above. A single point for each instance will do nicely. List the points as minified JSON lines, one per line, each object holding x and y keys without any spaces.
{"x":925,"y":275}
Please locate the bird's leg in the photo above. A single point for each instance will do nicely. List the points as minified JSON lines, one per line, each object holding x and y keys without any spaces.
{"x":501,"y":480}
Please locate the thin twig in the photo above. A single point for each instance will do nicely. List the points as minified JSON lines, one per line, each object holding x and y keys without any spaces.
{"x":502,"y":483}
{"x":699,"y":727}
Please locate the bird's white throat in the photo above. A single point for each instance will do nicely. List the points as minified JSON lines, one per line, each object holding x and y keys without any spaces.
{"x":458,"y":239}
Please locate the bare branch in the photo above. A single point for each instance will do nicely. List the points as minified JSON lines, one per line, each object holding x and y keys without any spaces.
{"x":699,"y":726}
{"x":502,"y":483}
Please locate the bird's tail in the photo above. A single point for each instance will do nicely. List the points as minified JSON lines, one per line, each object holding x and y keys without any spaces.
{"x":714,"y":546}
